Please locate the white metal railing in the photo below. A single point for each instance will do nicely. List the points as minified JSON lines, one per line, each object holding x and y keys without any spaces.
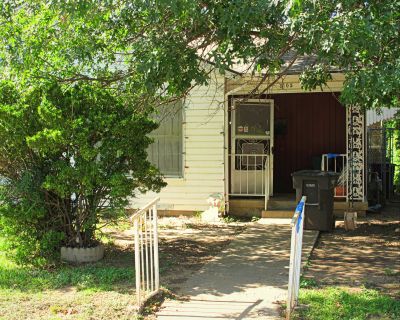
{"x":337,"y":163}
{"x":295,"y":256}
{"x":250,"y":175}
{"x":146,"y":252}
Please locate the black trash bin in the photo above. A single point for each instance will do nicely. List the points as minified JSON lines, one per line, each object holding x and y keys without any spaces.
{"x":318,"y":186}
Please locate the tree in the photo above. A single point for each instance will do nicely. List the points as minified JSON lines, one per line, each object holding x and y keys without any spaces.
{"x":161,"y":45}
{"x":360,"y":38}
{"x":71,"y":157}
{"x":127,"y":57}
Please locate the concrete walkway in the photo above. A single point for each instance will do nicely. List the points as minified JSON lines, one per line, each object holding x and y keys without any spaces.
{"x":243,"y":281}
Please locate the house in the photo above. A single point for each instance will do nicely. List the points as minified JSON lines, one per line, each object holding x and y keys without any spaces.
{"x":382,"y":156}
{"x":242,"y":139}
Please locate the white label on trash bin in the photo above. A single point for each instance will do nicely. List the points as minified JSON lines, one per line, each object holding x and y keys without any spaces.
{"x":310,"y":185}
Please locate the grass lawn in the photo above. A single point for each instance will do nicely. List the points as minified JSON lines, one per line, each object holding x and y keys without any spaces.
{"x":105,"y":290}
{"x":91,"y":291}
{"x":338,"y":303}
{"x":355,"y":274}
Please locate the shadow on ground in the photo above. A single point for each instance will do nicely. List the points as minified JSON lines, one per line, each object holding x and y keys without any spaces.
{"x":369,"y":255}
{"x":243,"y":282}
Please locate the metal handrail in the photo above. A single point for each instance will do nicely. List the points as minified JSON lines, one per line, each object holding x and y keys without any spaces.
{"x":145,"y":208}
{"x":298,"y":212}
{"x":343,"y":170}
{"x":147,"y":271}
{"x":266,"y":183}
{"x":297,"y":224}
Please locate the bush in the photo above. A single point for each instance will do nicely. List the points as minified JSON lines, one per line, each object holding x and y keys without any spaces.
{"x":71,"y":155}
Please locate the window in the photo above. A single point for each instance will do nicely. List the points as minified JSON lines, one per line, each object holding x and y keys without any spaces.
{"x":166,"y":151}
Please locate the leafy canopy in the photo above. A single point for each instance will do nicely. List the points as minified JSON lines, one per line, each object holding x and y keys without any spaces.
{"x":79,"y":78}
{"x":156,"y":48}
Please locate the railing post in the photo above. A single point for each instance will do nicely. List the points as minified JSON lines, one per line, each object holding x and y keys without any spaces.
{"x":300,"y":250}
{"x":266,"y":182}
{"x":146,"y":248}
{"x":297,"y":224}
{"x":240,"y":175}
{"x":151,"y":230}
{"x":156,"y":259}
{"x":247,"y":174}
{"x":137,"y":260}
{"x":291,"y":268}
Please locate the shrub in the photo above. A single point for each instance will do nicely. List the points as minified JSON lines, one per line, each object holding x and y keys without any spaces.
{"x":70,"y":156}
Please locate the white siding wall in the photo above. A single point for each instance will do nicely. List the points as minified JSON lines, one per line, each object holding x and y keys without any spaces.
{"x":385,"y":114}
{"x":203,"y":159}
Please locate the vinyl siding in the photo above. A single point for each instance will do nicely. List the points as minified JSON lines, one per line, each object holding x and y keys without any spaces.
{"x":203,"y":158}
{"x":385,"y":114}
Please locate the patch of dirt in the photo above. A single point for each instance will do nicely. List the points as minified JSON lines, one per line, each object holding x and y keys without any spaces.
{"x":185,"y":245}
{"x":368,"y":256}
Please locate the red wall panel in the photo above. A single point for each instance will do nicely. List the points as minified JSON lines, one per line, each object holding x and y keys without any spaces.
{"x":313,"y":124}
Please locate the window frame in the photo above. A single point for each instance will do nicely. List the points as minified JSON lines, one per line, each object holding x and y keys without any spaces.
{"x":181,"y":175}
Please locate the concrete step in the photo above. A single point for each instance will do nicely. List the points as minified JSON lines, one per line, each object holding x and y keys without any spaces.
{"x":246,"y":207}
{"x":281,"y":204}
{"x":277,"y":214}
{"x":247,"y":203}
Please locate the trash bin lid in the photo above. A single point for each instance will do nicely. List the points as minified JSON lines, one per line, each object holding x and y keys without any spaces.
{"x":314,"y":173}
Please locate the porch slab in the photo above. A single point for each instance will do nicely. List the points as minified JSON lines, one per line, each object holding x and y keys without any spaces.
{"x":282,"y":202}
{"x":242,"y":282}
{"x":277,"y":213}
{"x":247,"y":203}
{"x":283,"y":206}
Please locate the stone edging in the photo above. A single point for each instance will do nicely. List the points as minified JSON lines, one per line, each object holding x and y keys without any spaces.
{"x":79,"y":255}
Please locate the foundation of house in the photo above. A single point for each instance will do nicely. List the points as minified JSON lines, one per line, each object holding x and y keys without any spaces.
{"x":340,"y":207}
{"x":176,"y":213}
{"x":283,"y":206}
